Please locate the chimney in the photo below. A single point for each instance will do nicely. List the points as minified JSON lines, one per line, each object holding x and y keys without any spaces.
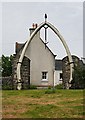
{"x":34,"y":26}
{"x":18,"y":47}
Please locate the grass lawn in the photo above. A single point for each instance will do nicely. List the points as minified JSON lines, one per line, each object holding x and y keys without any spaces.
{"x":38,"y":104}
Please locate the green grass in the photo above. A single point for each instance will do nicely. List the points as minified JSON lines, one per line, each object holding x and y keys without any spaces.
{"x":42,"y":103}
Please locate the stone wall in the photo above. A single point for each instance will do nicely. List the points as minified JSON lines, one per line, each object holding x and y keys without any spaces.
{"x":7,"y":83}
{"x":25,"y":72}
{"x":66,"y":69}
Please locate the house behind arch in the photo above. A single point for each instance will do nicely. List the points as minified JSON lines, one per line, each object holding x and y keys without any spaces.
{"x":38,"y":66}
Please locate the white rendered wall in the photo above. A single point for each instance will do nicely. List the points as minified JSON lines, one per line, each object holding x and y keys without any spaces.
{"x":57,"y":79}
{"x":41,"y":60}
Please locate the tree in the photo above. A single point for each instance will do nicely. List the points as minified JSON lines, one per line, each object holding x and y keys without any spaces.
{"x":6,"y":65}
{"x":78,"y":81}
{"x":0,"y":67}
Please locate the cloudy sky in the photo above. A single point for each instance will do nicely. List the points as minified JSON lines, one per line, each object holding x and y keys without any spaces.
{"x":67,"y":17}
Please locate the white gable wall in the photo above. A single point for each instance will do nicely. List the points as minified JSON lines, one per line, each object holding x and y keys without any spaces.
{"x":41,"y":60}
{"x":57,"y":79}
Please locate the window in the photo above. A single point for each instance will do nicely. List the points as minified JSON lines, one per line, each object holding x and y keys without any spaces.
{"x":61,"y":75}
{"x":44,"y":76}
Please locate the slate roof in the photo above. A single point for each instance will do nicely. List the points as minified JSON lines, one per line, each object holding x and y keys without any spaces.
{"x":58,"y":64}
{"x":19,"y":46}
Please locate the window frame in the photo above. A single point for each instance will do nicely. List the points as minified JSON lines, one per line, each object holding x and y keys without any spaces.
{"x":44,"y":76}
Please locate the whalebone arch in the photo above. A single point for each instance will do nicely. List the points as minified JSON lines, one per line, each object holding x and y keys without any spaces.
{"x":29,"y":40}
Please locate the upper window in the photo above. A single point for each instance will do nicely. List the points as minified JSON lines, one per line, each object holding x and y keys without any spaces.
{"x":45,"y":76}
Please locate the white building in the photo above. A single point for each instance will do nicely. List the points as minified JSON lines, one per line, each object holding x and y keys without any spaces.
{"x":58,"y":72}
{"x":42,"y":70}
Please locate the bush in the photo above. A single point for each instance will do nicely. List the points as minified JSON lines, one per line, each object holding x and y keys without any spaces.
{"x":49,"y":87}
{"x":7,"y":83}
{"x":6,"y":64}
{"x":32,"y":87}
{"x":78,"y":81}
{"x":7,"y":87}
{"x":60,"y":86}
{"x":50,"y":91}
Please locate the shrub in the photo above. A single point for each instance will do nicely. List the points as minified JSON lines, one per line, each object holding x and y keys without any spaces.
{"x":49,"y":87}
{"x":78,"y":81}
{"x":32,"y":87}
{"x":7,"y":87}
{"x":50,"y":91}
{"x":60,"y":86}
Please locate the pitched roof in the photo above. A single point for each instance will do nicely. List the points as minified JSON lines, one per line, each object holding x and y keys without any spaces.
{"x":19,"y":46}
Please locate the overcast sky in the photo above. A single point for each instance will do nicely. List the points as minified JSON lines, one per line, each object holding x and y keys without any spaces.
{"x":67,"y":17}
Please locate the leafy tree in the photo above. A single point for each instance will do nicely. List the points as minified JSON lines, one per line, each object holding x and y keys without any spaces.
{"x":6,"y":65}
{"x":78,"y":81}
